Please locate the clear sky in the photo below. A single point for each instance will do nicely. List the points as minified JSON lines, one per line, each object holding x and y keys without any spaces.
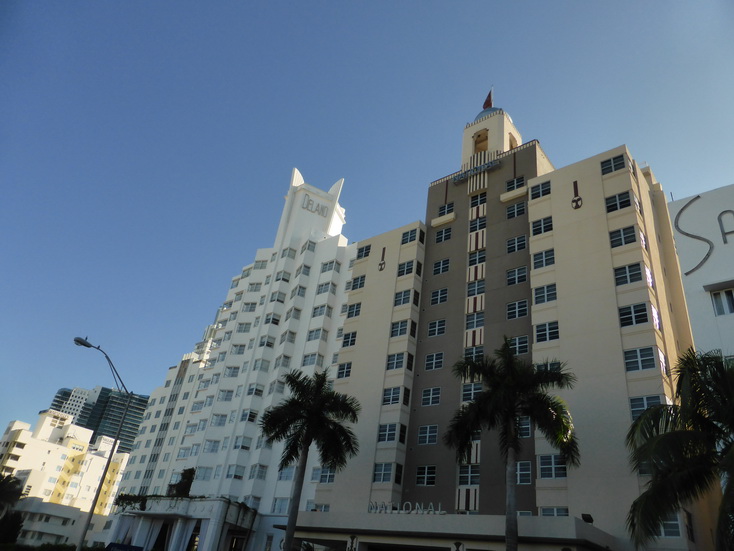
{"x":146,"y":146}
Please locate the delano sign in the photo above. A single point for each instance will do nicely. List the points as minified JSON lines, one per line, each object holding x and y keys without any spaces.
{"x":404,"y":508}
{"x":312,"y":206}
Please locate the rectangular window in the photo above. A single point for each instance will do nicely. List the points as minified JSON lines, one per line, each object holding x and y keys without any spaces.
{"x":391,"y":396}
{"x":364,"y":252}
{"x":523,"y":427}
{"x":517,"y":275}
{"x":350,"y":339}
{"x":723,"y":302}
{"x":544,"y":225}
{"x":475,"y":320}
{"x":344,"y":370}
{"x":434,"y":361}
{"x":641,"y":403}
{"x":357,"y":283}
{"x":312,"y":359}
{"x":479,"y":199}
{"x":431,"y":396}
{"x":554,"y":511}
{"x":439,"y":296}
{"x":670,"y":527}
{"x":395,"y":361}
{"x":619,"y":201}
{"x":552,"y":466}
{"x":546,"y":293}
{"x":519,"y":345}
{"x":477,"y":257}
{"x":428,"y":434}
{"x":515,"y":183}
{"x":622,"y":236}
{"x":612,"y":165}
{"x":515,"y":244}
{"x":633,"y":314}
{"x":474,"y":353}
{"x":272,"y":318}
{"x":231,"y":371}
{"x":627,"y":274}
{"x":639,"y":358}
{"x":441,"y":266}
{"x":254,"y":389}
{"x":544,"y":258}
{"x":405,"y":268}
{"x":474,"y":288}
{"x":258,"y":471}
{"x":546,"y":331}
{"x":398,"y":328}
{"x":408,"y":236}
{"x":387,"y":432}
{"x":402,"y":297}
{"x":468,"y":475}
{"x":469,"y":391}
{"x":513,"y":211}
{"x":522,"y":470}
{"x":477,"y":224}
{"x":518,"y":309}
{"x":448,"y":208}
{"x":225,"y":395}
{"x":425,"y":475}
{"x":382,"y":472}
{"x":244,"y":327}
{"x":353,"y":310}
{"x":329,"y":266}
{"x":540,"y":190}
{"x":436,"y":328}
{"x":443,"y":235}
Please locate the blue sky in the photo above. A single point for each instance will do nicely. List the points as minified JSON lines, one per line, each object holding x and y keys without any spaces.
{"x":145,"y":147}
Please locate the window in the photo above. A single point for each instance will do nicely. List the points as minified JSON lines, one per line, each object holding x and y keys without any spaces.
{"x":439,"y":296}
{"x":330,"y":265}
{"x":443,"y":235}
{"x":554,"y":511}
{"x":272,"y":318}
{"x":323,"y":288}
{"x":398,"y":328}
{"x":266,"y":341}
{"x":254,"y":287}
{"x":218,"y":420}
{"x":402,"y":297}
{"x":344,"y":370}
{"x":517,"y":275}
{"x":723,"y":302}
{"x":249,"y":415}
{"x":540,"y":190}
{"x":258,"y":471}
{"x":283,"y":276}
{"x":474,"y":288}
{"x":231,"y":371}
{"x":428,"y":434}
{"x":308,"y":245}
{"x":552,"y":466}
{"x":522,"y":470}
{"x":382,"y":472}
{"x":618,"y":202}
{"x":469,"y":391}
{"x":327,"y":475}
{"x":475,"y":320}
{"x":477,"y":224}
{"x":441,"y":266}
{"x":477,"y":257}
{"x":434,"y":361}
{"x":639,"y":358}
{"x":408,"y":236}
{"x":520,"y":344}
{"x":515,"y":244}
{"x":633,"y":314}
{"x":513,"y":211}
{"x":431,"y":396}
{"x":641,"y":403}
{"x":436,"y":328}
{"x":405,"y":268}
{"x":364,"y":252}
{"x":468,"y":475}
{"x":244,"y":327}
{"x":312,"y":359}
{"x":627,"y":274}
{"x":475,"y":353}
{"x":546,"y":331}
{"x":211,"y":446}
{"x":391,"y":396}
{"x":612,"y":165}
{"x":670,"y":527}
{"x":523,"y":427}
{"x":298,"y":291}
{"x":425,"y":475}
{"x":395,"y":361}
{"x":290,"y":253}
{"x":546,"y":293}
{"x":255,"y":389}
{"x":479,"y":199}
{"x":544,"y":258}
{"x":224,"y":396}
{"x":622,"y":236}
{"x":515,"y":183}
{"x":356,"y":283}
{"x":235,"y":471}
{"x":544,"y":225}
{"x":448,"y":208}
{"x":350,"y":339}
{"x":517,"y":309}
{"x":387,"y":432}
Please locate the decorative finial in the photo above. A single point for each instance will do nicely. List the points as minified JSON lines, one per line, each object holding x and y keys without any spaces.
{"x":488,"y":101}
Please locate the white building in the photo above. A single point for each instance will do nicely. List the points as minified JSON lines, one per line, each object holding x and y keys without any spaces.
{"x":704,"y":237}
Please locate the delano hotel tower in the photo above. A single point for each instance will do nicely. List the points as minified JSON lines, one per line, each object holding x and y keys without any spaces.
{"x":575,"y":264}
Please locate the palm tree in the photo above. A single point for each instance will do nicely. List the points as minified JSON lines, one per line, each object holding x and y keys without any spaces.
{"x":686,"y":448}
{"x":313,"y":414}
{"x":10,"y":490}
{"x":512,"y":389}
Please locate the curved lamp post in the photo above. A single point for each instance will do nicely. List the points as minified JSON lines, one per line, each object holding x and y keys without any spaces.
{"x":118,"y":381}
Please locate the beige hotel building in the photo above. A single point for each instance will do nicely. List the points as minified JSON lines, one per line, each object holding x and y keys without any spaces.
{"x":574,"y":264}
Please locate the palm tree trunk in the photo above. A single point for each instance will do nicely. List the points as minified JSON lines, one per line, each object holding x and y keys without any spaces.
{"x":298,"y":478}
{"x":511,"y":501}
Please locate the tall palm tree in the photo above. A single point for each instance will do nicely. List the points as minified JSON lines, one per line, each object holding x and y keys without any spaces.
{"x":686,"y":448}
{"x":10,"y":490}
{"x":512,"y":389}
{"x":312,"y":414}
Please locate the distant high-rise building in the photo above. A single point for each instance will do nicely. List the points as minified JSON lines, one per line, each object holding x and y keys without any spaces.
{"x":574,"y":264}
{"x":101,"y":410}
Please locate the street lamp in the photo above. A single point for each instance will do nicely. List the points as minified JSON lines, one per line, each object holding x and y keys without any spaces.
{"x":118,"y":382}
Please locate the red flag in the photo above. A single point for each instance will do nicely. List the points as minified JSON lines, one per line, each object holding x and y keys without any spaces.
{"x":488,"y":101}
